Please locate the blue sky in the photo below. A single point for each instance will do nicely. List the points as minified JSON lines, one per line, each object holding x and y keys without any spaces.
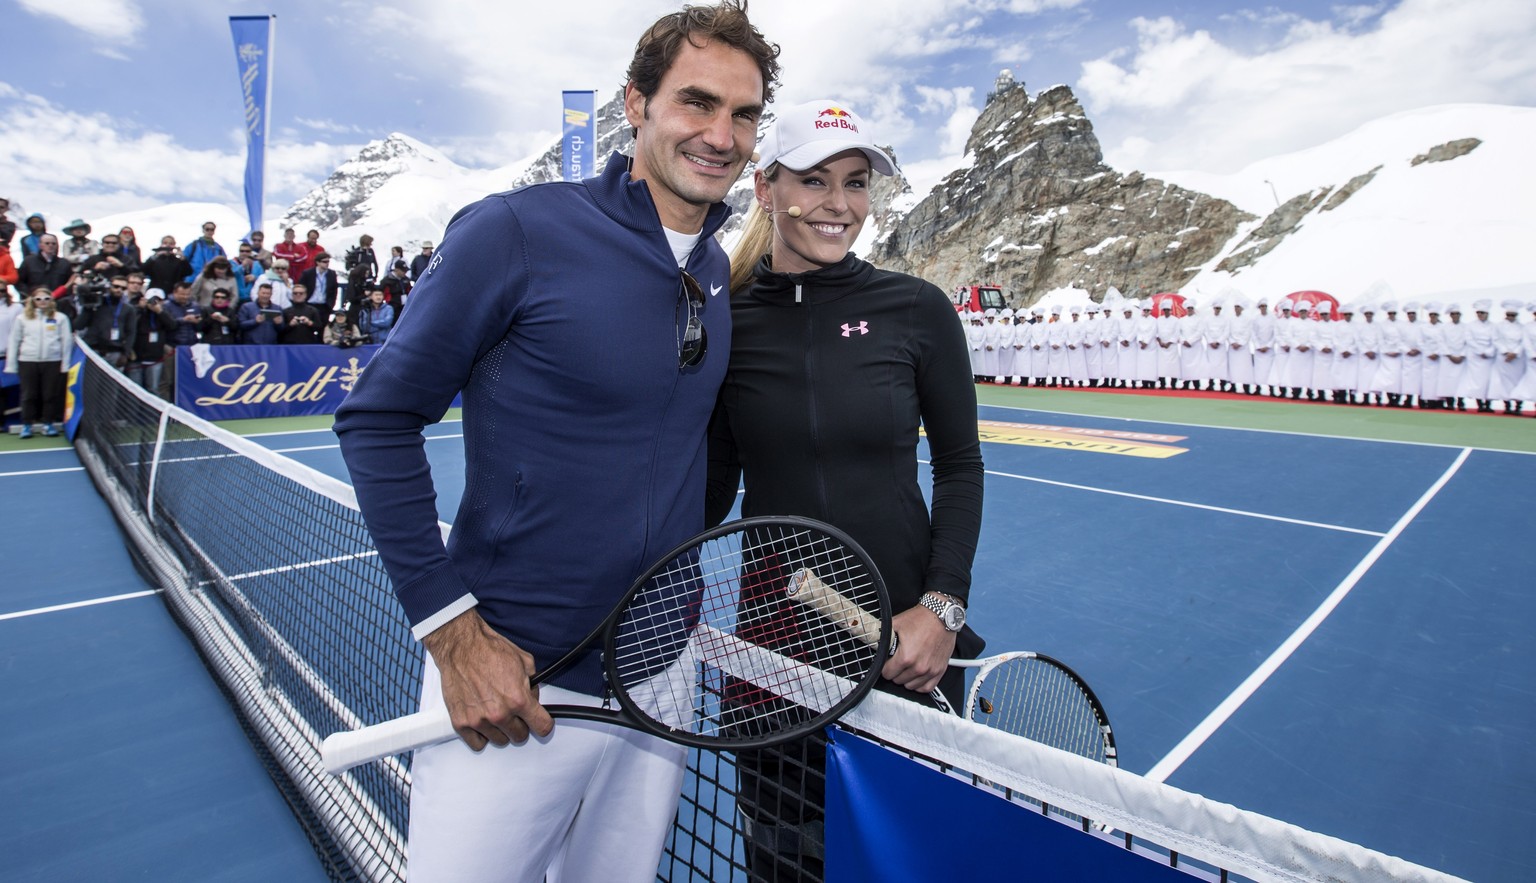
{"x":116,"y":105}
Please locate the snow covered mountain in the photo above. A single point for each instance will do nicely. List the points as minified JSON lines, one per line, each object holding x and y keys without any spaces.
{"x":1434,"y":202}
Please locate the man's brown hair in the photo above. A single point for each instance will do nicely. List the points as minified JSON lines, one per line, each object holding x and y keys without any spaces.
{"x":725,"y":22}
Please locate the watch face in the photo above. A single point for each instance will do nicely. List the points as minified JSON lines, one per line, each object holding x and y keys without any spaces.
{"x":954,"y":617}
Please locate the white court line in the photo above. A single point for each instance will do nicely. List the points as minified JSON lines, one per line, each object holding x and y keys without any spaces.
{"x":320,"y":429}
{"x":1197,"y":737}
{"x":91,"y":603}
{"x":303,"y":565}
{"x":1222,"y":509}
{"x":43,"y":471}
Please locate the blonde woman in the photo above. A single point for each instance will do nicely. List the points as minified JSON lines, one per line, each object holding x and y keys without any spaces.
{"x":835,"y":366}
{"x":38,"y":351}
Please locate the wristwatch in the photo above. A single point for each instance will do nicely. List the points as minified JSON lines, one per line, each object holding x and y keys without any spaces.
{"x":948,"y":612}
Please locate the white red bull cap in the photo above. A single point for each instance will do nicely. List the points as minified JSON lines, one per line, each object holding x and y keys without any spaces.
{"x":806,"y":134}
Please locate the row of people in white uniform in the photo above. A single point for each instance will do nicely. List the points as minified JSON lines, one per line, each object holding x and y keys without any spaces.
{"x":1421,"y":354}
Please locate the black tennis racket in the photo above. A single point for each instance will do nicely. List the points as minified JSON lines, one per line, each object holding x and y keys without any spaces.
{"x":1040,"y":698}
{"x":706,"y":649}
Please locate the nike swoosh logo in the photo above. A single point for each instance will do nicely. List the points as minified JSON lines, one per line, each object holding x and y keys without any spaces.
{"x":714,"y":290}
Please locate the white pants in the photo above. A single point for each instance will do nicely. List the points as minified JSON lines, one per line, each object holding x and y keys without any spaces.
{"x":591,"y":802}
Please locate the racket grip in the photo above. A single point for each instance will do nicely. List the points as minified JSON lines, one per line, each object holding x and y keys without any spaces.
{"x":343,"y":751}
{"x":811,"y":590}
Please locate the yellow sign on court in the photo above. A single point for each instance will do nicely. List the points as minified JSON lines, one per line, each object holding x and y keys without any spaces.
{"x":1070,"y":438}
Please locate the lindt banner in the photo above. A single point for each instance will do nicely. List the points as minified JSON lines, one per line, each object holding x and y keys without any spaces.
{"x":579,"y":136}
{"x":253,"y":57}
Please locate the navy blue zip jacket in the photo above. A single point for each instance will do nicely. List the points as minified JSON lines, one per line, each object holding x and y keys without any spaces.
{"x":557,"y":310}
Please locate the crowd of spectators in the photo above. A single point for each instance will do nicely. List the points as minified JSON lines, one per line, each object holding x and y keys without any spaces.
{"x":135,"y":307}
{"x":1376,"y":352}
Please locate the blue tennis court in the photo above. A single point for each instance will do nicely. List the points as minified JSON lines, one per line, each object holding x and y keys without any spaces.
{"x":1333,"y":632}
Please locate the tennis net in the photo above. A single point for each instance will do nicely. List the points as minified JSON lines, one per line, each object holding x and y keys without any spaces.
{"x":268,"y":567}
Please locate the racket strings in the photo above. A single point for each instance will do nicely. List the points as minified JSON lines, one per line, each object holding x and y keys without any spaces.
{"x":1032,"y":698}
{"x":712,"y":646}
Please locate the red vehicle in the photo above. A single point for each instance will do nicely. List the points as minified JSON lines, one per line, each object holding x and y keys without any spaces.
{"x":977,"y":298}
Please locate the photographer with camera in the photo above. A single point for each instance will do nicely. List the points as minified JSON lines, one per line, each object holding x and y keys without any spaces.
{"x":219,"y":326}
{"x":302,"y":323}
{"x":375,"y":317}
{"x":107,"y":322}
{"x":340,"y":333}
{"x":167,"y":266}
{"x":146,"y":359}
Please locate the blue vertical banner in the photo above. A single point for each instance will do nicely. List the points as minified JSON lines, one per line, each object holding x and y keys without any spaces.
{"x":253,"y":56}
{"x":578,"y":138}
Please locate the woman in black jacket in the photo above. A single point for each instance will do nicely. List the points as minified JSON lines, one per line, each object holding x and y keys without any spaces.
{"x":836,"y":370}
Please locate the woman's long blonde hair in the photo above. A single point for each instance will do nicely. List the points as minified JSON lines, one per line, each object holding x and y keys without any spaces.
{"x":30,"y":310}
{"x":756,"y":238}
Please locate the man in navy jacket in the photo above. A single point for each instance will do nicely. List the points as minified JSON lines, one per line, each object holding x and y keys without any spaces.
{"x":558,"y":311}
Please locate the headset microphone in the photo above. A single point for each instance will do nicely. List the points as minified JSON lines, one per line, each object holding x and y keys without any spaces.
{"x":793,"y":211}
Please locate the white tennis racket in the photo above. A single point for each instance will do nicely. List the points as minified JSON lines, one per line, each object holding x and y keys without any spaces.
{"x":1025,"y":693}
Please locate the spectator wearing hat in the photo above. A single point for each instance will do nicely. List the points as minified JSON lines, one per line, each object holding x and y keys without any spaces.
{"x":79,"y":247}
{"x":323,"y":284}
{"x":1190,"y":329}
{"x":397,"y":286}
{"x":1431,"y":342}
{"x":1367,"y":332}
{"x":1525,"y":390}
{"x":37,"y":351}
{"x":1482,"y":350}
{"x":1413,"y":355}
{"x":420,"y":262}
{"x":1455,"y":363}
{"x":1261,"y":341}
{"x":1508,"y":364}
{"x":341,"y":333}
{"x":203,"y":250}
{"x":152,"y":329}
{"x":167,"y":265}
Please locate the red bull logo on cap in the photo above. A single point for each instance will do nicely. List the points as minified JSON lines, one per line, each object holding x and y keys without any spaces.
{"x":835,"y":118}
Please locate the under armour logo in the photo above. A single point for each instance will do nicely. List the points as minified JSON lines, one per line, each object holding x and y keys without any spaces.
{"x":862,"y":328}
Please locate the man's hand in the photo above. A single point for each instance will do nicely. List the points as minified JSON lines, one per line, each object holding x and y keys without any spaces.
{"x":922,"y":654}
{"x":486,"y":683}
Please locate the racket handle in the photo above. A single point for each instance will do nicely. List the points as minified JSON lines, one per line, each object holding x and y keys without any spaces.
{"x":343,"y":751}
{"x":809,"y":589}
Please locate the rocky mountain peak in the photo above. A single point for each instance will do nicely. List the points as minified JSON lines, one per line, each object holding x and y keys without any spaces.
{"x":1036,"y":209}
{"x":337,"y":202}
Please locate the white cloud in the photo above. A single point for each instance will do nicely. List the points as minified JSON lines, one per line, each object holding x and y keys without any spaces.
{"x":1190,"y":101}
{"x":113,"y":21}
{"x":99,"y":165}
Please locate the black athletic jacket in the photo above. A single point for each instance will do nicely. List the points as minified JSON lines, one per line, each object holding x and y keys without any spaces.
{"x":831,"y":373}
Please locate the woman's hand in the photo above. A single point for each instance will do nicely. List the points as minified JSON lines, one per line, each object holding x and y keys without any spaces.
{"x":922,"y":655}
